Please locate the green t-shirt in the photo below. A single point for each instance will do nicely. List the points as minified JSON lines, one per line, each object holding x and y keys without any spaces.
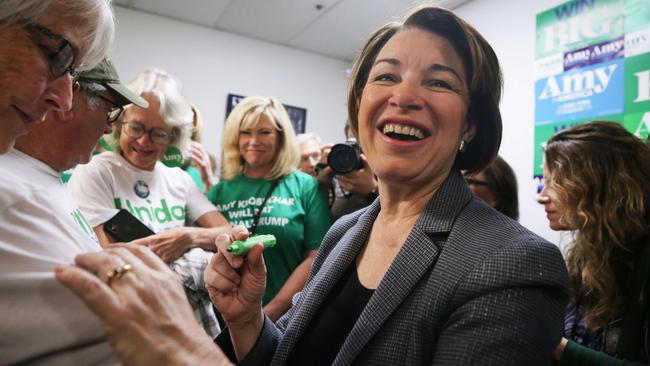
{"x":196,"y":177}
{"x":296,"y":213}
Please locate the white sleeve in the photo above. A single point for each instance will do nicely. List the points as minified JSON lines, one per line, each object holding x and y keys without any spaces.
{"x":197,"y":203}
{"x":91,"y":186}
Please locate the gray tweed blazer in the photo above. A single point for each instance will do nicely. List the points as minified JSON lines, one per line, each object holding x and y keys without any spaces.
{"x":469,"y":287}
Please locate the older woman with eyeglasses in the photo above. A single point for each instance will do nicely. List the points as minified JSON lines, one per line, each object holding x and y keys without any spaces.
{"x":165,"y":199}
{"x":44,"y":44}
{"x":42,"y":49}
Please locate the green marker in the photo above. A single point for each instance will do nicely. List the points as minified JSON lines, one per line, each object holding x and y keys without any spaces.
{"x":241,"y":247}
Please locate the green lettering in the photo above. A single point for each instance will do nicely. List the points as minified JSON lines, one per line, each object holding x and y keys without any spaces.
{"x":139,"y":210}
{"x":164,"y":210}
{"x":131,"y":209}
{"x":118,"y":203}
{"x":81,"y":221}
{"x":181,"y":212}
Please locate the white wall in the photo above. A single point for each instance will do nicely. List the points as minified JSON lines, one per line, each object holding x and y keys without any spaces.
{"x":211,"y":64}
{"x":509,"y":26}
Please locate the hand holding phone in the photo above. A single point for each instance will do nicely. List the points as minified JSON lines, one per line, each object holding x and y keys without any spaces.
{"x":125,"y":227}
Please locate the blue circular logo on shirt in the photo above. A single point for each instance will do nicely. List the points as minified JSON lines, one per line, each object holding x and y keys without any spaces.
{"x":141,"y":189}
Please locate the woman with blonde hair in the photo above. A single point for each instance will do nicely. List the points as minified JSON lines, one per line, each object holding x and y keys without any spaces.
{"x":596,"y":184}
{"x":261,"y":189}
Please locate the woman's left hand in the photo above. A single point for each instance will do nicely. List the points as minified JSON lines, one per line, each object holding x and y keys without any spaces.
{"x":142,"y":307}
{"x":169,"y":245}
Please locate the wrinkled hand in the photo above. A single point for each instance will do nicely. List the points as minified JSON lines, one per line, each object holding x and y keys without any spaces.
{"x":202,"y":160}
{"x":169,"y":245}
{"x":359,"y":182}
{"x":236,"y":284}
{"x":144,"y":313}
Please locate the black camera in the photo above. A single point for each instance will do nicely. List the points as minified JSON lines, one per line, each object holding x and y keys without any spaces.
{"x":345,"y":157}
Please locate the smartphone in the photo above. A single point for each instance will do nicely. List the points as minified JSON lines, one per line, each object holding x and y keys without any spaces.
{"x":125,"y":227}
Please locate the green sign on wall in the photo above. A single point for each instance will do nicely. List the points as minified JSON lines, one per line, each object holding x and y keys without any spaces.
{"x":592,"y":61}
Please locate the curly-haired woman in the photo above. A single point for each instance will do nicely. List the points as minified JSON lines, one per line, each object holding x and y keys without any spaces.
{"x":596,"y":184}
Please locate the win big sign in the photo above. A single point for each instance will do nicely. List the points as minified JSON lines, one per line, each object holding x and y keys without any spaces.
{"x":577,"y":24}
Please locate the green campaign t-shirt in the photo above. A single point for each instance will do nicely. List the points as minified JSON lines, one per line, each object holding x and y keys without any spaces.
{"x":296,"y":213}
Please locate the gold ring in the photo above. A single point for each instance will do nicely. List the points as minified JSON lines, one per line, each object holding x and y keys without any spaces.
{"x":116,"y":273}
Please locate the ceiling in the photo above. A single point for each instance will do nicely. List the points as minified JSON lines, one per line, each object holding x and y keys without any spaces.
{"x":334,"y":28}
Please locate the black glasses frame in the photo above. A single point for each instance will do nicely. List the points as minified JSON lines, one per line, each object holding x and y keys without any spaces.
{"x":115,"y":112}
{"x":171,"y":136}
{"x":61,"y":60}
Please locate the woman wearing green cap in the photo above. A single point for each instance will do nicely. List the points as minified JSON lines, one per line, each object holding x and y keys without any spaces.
{"x":165,"y":199}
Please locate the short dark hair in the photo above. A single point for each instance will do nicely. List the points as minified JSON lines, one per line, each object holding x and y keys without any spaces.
{"x":481,"y":65}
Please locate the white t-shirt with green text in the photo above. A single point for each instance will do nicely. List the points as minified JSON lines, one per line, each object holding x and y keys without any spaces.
{"x":163,"y":199}
{"x":41,"y":227}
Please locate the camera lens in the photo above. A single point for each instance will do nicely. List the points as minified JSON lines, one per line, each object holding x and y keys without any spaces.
{"x":344,"y":158}
{"x":112,"y":227}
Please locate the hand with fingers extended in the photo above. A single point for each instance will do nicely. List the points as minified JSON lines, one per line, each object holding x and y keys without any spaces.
{"x":236,"y":286}
{"x":142,"y":307}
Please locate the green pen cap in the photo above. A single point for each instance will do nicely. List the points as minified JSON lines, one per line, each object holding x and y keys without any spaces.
{"x":241,"y":247}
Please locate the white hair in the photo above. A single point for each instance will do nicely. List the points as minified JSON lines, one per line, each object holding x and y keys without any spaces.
{"x":304,"y":138}
{"x":175,"y":110}
{"x":16,"y":10}
{"x":93,"y":18}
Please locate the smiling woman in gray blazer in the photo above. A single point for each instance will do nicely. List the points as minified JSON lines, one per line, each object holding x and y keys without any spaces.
{"x":427,"y":274}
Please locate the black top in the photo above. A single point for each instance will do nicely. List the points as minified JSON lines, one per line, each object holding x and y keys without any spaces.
{"x":330,"y":327}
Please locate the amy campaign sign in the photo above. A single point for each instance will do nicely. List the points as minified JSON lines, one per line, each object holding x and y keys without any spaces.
{"x":591,"y":91}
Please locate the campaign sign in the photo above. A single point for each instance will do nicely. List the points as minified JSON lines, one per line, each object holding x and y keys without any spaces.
{"x":638,"y":124}
{"x":637,"y":83}
{"x":637,"y":43}
{"x":577,"y":24}
{"x":547,"y":66}
{"x":637,"y":15}
{"x":591,"y":91}
{"x":594,"y":54}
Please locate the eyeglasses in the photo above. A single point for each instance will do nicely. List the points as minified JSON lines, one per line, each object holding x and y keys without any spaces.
{"x":157,"y":135}
{"x":63,"y":58}
{"x":115,"y":111}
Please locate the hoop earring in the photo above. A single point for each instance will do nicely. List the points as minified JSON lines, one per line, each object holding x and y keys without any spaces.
{"x":462,"y":147}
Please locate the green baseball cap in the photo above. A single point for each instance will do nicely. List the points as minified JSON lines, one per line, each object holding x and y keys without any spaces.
{"x":106,"y":75}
